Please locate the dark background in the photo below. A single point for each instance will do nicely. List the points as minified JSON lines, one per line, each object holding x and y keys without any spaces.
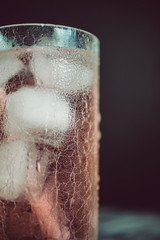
{"x":129,"y":32}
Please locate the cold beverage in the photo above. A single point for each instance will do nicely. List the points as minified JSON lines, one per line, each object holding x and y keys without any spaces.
{"x":49,"y":144}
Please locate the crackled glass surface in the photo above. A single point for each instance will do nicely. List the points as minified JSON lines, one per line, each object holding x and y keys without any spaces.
{"x":48,"y":133}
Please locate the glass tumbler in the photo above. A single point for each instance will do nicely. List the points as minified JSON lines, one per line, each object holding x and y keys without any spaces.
{"x":49,"y":133}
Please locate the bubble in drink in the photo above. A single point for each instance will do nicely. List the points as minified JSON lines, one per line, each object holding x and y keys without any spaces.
{"x":49,"y":148}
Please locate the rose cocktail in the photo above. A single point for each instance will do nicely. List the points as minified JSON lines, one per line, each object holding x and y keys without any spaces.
{"x":48,"y":133}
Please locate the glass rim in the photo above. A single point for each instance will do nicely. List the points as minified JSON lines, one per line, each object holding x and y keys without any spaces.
{"x":52,"y":25}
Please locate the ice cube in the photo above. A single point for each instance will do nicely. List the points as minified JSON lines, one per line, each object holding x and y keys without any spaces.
{"x":3,"y":98}
{"x":60,"y":71}
{"x":4,"y":44}
{"x":36,"y":174}
{"x":36,"y":111}
{"x":13,"y":169}
{"x":10,"y":65}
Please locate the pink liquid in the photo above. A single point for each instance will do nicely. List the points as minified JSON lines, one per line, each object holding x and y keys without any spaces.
{"x":66,"y":207}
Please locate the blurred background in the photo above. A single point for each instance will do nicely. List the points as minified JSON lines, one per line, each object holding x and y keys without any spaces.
{"x":129,"y":32}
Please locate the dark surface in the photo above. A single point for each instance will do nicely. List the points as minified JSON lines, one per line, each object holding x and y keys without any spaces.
{"x":128,"y":225}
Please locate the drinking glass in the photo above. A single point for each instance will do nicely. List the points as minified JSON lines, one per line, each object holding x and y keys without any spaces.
{"x":49,"y":133}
